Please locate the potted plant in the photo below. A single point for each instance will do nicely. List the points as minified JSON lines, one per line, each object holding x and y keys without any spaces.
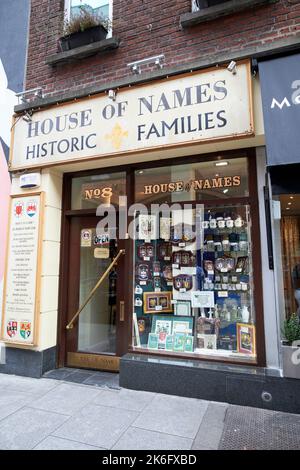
{"x":290,"y":348}
{"x":84,"y":28}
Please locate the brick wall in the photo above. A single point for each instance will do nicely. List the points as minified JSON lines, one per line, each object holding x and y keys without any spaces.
{"x":145,"y":28}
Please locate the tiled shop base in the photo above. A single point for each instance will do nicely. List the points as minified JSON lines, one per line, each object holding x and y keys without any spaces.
{"x":87,"y":377}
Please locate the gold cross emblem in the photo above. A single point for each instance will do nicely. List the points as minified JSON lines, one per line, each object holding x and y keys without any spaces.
{"x":117,"y":136}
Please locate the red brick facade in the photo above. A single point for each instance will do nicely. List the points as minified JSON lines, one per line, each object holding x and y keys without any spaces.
{"x":145,"y":28}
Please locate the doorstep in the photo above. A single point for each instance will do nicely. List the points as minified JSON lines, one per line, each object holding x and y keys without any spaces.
{"x":235,"y":384}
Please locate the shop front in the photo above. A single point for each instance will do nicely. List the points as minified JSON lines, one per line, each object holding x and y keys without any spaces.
{"x":141,"y":246}
{"x":189,"y":283}
{"x":281,"y":99}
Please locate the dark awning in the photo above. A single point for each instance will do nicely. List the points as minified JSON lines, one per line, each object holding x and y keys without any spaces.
{"x":280,"y":87}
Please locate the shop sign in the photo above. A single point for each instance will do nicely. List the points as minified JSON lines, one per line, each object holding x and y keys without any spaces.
{"x":22,"y":273}
{"x":194,"y":185}
{"x":280,"y":85}
{"x":197,"y":107}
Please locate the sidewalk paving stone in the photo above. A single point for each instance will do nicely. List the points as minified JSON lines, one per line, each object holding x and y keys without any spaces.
{"x":24,"y":429}
{"x":124,"y":399}
{"x":173,"y":415}
{"x":27,"y":384}
{"x":11,"y":401}
{"x":141,"y":439}
{"x":97,"y":425}
{"x":66,"y":398}
{"x":211,"y":429}
{"x":56,"y":443}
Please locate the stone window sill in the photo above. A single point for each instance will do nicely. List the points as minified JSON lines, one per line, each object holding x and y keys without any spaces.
{"x":217,"y":11}
{"x":82,"y":52}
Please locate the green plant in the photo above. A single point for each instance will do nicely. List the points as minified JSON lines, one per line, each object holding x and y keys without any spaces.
{"x":85,"y":19}
{"x":291,"y":329}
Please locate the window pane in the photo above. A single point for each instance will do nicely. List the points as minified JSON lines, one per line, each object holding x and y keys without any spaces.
{"x":90,"y":191}
{"x":97,"y":6}
{"x":219,"y":179}
{"x":289,"y":229}
{"x":193,"y":274}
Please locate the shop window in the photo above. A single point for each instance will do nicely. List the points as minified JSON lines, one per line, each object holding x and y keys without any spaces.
{"x":210,"y":180}
{"x":193,"y":273}
{"x":287,"y":238}
{"x":102,"y":8}
{"x":200,"y":4}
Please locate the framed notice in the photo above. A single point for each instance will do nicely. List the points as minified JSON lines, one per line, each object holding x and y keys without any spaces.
{"x":246,"y":342}
{"x":21,"y":293}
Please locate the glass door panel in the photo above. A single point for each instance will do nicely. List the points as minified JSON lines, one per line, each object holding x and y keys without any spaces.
{"x":97,"y":322}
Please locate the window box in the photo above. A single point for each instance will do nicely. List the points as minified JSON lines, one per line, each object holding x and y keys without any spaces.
{"x":82,"y":52}
{"x":212,"y":12}
{"x":83,"y":38}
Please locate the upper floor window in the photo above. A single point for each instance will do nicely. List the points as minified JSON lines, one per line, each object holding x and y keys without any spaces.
{"x":102,"y":8}
{"x":200,"y":4}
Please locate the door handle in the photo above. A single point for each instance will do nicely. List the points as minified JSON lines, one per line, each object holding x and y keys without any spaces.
{"x":122,"y":310}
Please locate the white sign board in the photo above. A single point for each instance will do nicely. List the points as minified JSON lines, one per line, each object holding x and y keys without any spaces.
{"x":192,"y":108}
{"x":21,"y":286}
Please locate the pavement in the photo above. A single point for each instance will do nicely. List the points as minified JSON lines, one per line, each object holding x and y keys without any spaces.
{"x":81,"y":410}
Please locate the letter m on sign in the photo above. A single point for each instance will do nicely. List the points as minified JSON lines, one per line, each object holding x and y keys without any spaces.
{"x":284,"y":102}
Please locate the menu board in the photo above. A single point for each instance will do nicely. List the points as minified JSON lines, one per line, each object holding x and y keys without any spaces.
{"x":21,"y":285}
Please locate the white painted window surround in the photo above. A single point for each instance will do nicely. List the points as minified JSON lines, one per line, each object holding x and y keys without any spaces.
{"x":105,"y":5}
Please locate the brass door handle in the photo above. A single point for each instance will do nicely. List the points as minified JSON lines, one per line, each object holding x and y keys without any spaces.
{"x":122,"y":310}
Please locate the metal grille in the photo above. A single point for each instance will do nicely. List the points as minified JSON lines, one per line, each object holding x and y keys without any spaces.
{"x":252,"y":428}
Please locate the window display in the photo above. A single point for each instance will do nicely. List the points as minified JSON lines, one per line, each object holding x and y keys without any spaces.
{"x":198,"y":269}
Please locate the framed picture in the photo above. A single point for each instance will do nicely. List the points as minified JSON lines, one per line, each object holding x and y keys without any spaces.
{"x":184,"y":326}
{"x":183,"y":308}
{"x":189,"y":343}
{"x":246,"y":342}
{"x":153,"y":341}
{"x":206,"y":341}
{"x":165,"y":228}
{"x":241,"y":264}
{"x":163,"y":328}
{"x":169,"y":342}
{"x":157,"y":301}
{"x":203,"y":299}
{"x":147,"y":227}
{"x":179,"y":342}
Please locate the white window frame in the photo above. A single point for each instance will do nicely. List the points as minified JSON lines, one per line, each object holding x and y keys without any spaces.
{"x":110,"y":12}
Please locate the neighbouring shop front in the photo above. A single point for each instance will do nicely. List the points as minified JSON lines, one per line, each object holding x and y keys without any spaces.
{"x":281,"y":99}
{"x":156,"y":198}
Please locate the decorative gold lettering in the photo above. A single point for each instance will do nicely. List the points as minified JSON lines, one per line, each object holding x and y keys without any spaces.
{"x":148,"y":189}
{"x":217,"y":183}
{"x":227,"y":181}
{"x":207,"y":184}
{"x":236,"y":180}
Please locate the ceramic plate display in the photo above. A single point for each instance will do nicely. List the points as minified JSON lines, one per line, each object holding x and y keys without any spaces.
{"x":182,"y":234}
{"x":183,"y":258}
{"x":183,"y":282}
{"x":224,"y":265}
{"x":164,"y":251}
{"x":167,"y":273}
{"x":142,"y":272}
{"x":145,"y":251}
